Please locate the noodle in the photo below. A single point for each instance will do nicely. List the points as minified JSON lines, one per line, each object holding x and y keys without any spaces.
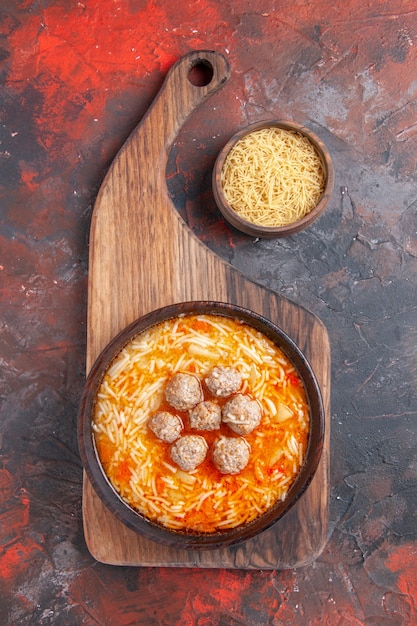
{"x":273,"y":177}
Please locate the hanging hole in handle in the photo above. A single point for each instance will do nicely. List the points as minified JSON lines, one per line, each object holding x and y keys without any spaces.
{"x":201,"y":73}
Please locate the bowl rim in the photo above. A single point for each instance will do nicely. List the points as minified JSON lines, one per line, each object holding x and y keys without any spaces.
{"x":139,"y":523}
{"x":268,"y":232}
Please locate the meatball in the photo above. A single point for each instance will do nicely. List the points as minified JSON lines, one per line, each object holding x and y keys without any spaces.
{"x":231,"y":454}
{"x":166,"y":426}
{"x":223,"y":381}
{"x":205,"y":416}
{"x":189,"y":451}
{"x":183,"y":391}
{"x":242,"y":414}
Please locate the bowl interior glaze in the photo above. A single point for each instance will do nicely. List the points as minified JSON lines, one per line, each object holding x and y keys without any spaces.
{"x":138,"y":522}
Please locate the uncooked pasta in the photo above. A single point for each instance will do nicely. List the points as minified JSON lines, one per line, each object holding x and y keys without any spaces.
{"x":273,"y":177}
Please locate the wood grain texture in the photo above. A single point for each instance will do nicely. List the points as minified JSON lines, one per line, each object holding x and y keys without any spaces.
{"x":143,"y":256}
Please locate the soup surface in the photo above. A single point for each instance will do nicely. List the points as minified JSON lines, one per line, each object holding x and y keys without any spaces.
{"x":139,"y":464}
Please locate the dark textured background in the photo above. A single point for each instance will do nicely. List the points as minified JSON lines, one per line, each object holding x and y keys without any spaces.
{"x":76,"y":78}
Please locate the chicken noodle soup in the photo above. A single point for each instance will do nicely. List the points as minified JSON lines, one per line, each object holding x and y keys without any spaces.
{"x":140,"y":465}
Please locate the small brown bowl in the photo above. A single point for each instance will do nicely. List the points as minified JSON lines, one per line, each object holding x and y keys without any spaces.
{"x":270,"y":232}
{"x":152,"y":530}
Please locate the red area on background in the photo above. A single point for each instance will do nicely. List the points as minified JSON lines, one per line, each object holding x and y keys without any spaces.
{"x":16,"y":549}
{"x":403,"y":562}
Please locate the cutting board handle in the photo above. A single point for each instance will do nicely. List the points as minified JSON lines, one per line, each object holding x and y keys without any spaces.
{"x":134,"y":217}
{"x":189,"y":82}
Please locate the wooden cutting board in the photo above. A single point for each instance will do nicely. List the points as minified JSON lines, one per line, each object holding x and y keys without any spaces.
{"x":142,"y":257}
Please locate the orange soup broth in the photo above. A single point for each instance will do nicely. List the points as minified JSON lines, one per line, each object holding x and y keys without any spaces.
{"x":139,"y":465}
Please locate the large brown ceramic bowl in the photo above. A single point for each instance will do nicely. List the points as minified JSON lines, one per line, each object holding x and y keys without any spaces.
{"x":138,"y":522}
{"x":270,"y":232}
